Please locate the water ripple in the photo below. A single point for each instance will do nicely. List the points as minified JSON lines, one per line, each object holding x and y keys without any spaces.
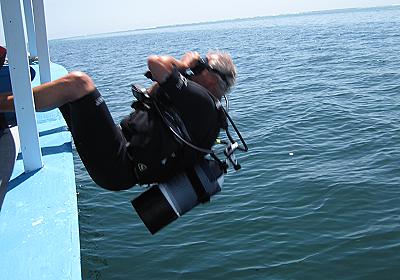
{"x":318,"y":195}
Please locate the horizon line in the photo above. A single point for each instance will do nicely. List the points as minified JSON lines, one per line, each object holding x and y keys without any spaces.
{"x":303,"y":13}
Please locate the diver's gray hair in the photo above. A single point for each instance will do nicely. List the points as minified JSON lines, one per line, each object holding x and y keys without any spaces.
{"x":222,"y":62}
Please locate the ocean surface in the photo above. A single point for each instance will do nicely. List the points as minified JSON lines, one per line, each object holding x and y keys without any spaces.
{"x":318,"y":196}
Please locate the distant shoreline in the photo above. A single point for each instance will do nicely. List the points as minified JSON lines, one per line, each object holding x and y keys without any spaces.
{"x":319,"y":12}
{"x":332,"y":11}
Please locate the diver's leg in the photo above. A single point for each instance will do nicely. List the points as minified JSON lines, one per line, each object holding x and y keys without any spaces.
{"x":99,"y":142}
{"x":54,"y":94}
{"x":66,"y":89}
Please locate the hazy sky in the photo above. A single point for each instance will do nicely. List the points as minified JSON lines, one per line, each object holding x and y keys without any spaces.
{"x":81,"y":17}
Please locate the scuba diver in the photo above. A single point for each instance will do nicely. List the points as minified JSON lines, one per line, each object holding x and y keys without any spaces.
{"x":142,"y":149}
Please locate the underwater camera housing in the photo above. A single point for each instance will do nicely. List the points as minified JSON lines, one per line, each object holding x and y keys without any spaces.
{"x":163,"y":203}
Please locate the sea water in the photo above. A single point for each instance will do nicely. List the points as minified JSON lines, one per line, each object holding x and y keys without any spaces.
{"x":318,"y":196}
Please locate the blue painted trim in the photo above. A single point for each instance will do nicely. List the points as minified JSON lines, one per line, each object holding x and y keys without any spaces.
{"x":39,"y":231}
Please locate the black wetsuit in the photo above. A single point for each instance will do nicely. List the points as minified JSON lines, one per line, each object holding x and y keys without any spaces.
{"x":115,"y":157}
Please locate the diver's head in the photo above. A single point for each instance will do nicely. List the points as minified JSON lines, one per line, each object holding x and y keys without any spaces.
{"x":216,"y":72}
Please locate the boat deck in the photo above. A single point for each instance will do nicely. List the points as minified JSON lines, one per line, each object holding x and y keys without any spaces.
{"x":39,"y":232}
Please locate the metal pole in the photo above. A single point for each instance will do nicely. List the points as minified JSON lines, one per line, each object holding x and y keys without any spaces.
{"x":30,"y":28}
{"x":21,"y":85}
{"x":41,"y":41}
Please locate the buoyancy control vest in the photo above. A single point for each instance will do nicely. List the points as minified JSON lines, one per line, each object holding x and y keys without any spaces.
{"x":157,"y":152}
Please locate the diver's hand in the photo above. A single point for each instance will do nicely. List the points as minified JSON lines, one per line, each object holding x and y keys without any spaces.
{"x":162,"y":66}
{"x":190,"y":59}
{"x":154,"y":87}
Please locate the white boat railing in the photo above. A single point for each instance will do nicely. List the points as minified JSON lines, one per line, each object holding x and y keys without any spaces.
{"x":30,"y":28}
{"x":41,"y":40}
{"x":14,"y":34}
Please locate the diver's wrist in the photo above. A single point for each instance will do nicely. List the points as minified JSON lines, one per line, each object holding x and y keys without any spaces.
{"x":190,"y":59}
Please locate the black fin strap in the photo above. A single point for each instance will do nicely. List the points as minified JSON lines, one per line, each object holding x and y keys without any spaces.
{"x":202,"y":195}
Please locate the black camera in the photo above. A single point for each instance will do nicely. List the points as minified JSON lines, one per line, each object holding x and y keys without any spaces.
{"x":163,"y":203}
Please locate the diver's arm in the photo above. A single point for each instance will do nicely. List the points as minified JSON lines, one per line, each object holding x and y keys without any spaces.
{"x":161,"y":66}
